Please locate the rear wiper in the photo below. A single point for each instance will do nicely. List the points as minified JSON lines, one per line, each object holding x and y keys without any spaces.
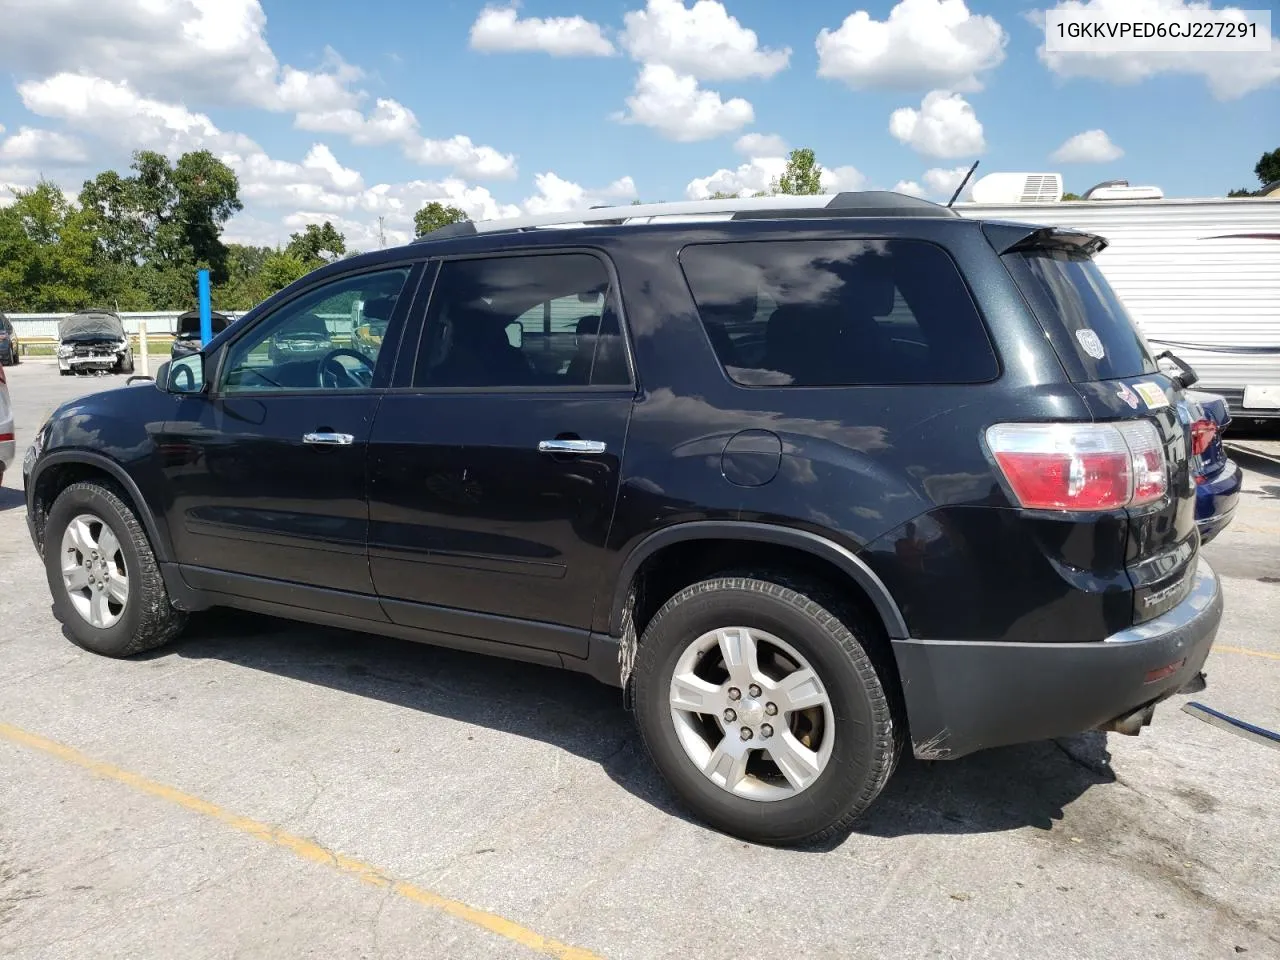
{"x":1186,"y":375}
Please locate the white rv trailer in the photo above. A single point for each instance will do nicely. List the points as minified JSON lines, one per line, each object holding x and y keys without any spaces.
{"x":1201,"y":277}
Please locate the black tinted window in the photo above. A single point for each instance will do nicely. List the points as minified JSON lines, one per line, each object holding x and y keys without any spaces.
{"x":526,"y":321}
{"x":1081,"y":313}
{"x":838,"y":312}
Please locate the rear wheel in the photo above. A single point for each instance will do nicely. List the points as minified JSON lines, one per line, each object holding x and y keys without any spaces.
{"x":763,"y":709}
{"x":106,"y":585}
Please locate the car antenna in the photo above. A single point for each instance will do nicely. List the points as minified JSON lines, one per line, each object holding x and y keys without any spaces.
{"x":962,"y":183}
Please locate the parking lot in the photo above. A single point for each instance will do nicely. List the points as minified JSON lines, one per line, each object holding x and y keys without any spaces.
{"x":264,"y":789}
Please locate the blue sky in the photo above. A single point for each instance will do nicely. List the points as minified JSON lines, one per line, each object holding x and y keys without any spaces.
{"x":348,"y":112}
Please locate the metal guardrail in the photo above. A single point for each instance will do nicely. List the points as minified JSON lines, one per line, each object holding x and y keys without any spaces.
{"x":35,"y":326}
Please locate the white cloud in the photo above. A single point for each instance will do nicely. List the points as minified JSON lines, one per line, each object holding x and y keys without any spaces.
{"x":1092,"y":146}
{"x":761,"y":145}
{"x":13,"y":179}
{"x":1229,"y":75}
{"x":464,"y":156}
{"x":758,"y":175}
{"x":943,"y":182}
{"x":910,"y":188}
{"x":393,"y":122}
{"x":675,"y":106}
{"x":751,"y":177}
{"x":279,"y":182}
{"x":944,"y":126}
{"x":321,"y":189}
{"x":922,"y":44}
{"x":835,"y":179}
{"x":29,"y":145}
{"x":500,"y":30}
{"x":556,"y":194}
{"x":120,"y":116}
{"x":702,"y":41}
{"x":213,"y":51}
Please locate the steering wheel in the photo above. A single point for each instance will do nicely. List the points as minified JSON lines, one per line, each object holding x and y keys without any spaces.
{"x":327,"y":371}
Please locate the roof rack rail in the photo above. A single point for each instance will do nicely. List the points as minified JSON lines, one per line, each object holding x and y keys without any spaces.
{"x":865,"y":203}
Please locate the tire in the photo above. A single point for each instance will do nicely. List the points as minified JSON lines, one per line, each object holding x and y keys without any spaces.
{"x":146,"y":619}
{"x":866,"y":740}
{"x":65,"y":373}
{"x":126,"y":365}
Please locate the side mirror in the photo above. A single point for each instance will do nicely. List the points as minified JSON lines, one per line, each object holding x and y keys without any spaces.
{"x":184,"y":375}
{"x":1177,"y":370}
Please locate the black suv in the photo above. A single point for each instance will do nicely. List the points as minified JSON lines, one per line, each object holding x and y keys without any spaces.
{"x":809,"y":483}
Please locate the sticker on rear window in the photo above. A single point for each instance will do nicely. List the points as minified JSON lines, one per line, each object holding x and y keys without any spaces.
{"x":1128,"y":396}
{"x":1091,"y":342}
{"x":1152,"y":394}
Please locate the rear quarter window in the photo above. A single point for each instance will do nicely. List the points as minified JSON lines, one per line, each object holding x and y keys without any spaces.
{"x":811,"y":313}
{"x":1085,"y":321}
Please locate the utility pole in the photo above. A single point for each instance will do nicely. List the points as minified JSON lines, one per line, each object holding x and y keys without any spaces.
{"x":382,"y":237}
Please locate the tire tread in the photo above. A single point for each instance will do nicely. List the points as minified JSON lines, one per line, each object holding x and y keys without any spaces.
{"x":836,"y":619}
{"x":160,"y":621}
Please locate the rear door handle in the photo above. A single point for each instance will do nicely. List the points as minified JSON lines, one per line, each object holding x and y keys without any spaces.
{"x":327,"y":439}
{"x":573,"y":447}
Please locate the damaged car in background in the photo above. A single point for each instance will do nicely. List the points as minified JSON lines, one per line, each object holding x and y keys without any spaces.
{"x":93,"y":341}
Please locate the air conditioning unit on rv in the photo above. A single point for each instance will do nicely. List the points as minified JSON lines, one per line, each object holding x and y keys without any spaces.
{"x":1120,"y":190}
{"x":1006,"y":188}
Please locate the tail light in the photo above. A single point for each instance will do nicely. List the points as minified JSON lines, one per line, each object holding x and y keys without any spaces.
{"x":1202,"y":434}
{"x":1081,"y":466}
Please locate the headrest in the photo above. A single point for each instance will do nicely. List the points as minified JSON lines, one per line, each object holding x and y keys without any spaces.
{"x":380,"y":308}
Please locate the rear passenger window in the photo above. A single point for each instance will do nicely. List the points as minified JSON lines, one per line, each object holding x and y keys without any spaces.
{"x":522,"y":321}
{"x":811,"y":313}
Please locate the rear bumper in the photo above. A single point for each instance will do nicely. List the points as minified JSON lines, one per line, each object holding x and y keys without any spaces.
{"x":1216,"y":501}
{"x":963,"y":696}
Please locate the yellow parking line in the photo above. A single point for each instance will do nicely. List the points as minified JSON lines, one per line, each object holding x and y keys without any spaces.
{"x":302,"y":847}
{"x":1222,"y":648}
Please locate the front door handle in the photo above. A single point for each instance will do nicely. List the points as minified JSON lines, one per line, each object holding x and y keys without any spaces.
{"x":329,"y":439}
{"x":572,"y":447}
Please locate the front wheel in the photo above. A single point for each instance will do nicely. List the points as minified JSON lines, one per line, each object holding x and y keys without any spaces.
{"x":763,"y":709}
{"x":106,"y":585}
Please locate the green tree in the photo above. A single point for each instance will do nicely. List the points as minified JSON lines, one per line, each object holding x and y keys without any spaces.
{"x":244,"y":287}
{"x":434,"y":216}
{"x":280,"y":269}
{"x":46,"y":252}
{"x":802,"y":177}
{"x":723,"y":195}
{"x":1070,"y":196}
{"x":167,"y":216}
{"x":317,"y":245}
{"x":1268,"y":168}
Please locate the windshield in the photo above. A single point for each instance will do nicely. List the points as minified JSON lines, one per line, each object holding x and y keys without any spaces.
{"x":1083,"y":317}
{"x":189,"y":324}
{"x":91,"y":325}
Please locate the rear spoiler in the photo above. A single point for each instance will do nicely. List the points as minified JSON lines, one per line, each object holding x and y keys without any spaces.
{"x":1016,"y":237}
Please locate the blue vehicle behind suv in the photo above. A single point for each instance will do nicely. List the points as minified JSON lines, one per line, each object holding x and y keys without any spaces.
{"x":813,"y":479}
{"x":1218,"y":477}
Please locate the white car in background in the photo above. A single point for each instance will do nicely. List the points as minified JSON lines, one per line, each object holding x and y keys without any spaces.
{"x":6,"y":427}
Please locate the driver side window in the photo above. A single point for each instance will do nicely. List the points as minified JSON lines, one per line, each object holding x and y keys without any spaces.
{"x":328,"y":339}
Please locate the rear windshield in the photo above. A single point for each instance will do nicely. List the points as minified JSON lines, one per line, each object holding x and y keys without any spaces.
{"x":1085,"y":320}
{"x":811,"y":313}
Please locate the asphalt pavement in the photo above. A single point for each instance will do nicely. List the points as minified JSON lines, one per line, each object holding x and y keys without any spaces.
{"x":261,"y":789}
